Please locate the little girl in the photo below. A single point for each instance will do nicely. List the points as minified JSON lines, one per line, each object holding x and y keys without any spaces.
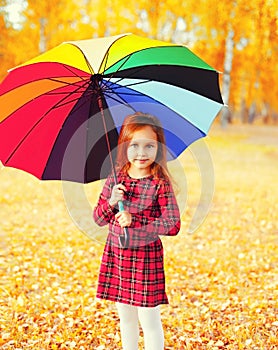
{"x":132,"y":271}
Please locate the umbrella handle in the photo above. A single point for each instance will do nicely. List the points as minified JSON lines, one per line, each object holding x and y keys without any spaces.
{"x":123,"y":239}
{"x":121,"y":206}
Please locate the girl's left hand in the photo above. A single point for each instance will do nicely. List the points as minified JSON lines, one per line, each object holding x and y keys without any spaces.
{"x":124,"y":218}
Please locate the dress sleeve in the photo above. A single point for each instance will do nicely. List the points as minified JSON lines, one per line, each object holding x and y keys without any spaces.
{"x":103,"y":212}
{"x":168,"y":222}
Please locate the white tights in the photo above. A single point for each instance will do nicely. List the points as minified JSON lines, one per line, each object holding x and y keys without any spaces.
{"x":150,"y":321}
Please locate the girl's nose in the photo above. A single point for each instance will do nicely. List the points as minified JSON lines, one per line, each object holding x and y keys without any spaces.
{"x":141,"y":151}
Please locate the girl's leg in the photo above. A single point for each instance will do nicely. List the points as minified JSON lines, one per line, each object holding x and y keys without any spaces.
{"x":152,"y":327}
{"x":129,"y":326}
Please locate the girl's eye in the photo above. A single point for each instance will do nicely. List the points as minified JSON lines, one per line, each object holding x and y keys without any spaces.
{"x":150,"y":146}
{"x":134,"y":145}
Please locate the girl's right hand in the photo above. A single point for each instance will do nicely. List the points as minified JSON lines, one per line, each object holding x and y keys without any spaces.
{"x":117,"y":194}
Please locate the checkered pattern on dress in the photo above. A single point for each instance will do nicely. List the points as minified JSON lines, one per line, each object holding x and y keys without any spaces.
{"x":150,"y":201}
{"x":135,"y":275}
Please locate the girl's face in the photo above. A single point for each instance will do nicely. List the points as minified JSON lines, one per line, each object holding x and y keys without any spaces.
{"x":142,"y":150}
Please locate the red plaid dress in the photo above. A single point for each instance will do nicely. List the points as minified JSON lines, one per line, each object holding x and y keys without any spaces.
{"x":135,"y":275}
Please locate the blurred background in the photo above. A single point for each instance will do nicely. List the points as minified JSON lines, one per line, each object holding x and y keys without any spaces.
{"x":236,"y":37}
{"x":222,"y":280}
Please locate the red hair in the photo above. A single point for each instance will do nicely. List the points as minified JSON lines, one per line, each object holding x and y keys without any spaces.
{"x":133,"y":123}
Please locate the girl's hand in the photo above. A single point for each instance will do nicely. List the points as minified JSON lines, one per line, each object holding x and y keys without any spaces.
{"x":124,"y":218}
{"x":117,"y":194}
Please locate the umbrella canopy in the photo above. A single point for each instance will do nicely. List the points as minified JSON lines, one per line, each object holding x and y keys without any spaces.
{"x":73,"y":99}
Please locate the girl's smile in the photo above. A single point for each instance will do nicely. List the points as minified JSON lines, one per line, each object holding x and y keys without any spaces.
{"x":142,"y":151}
{"x":141,"y":161}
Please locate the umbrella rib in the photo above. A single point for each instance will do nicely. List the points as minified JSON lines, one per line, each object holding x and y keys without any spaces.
{"x":34,"y":126}
{"x":105,"y":58}
{"x":109,"y":93}
{"x":73,"y":100}
{"x":50,"y":93}
{"x":127,"y":58}
{"x":66,"y":83}
{"x":53,"y":93}
{"x":121,"y":78}
{"x":88,"y":97}
{"x":59,"y":104}
{"x":136,"y":93}
{"x":87,"y":61}
{"x":109,"y":89}
{"x":131,"y":84}
{"x":119,"y":100}
{"x":122,"y":101}
{"x":74,"y":73}
{"x":88,"y":64}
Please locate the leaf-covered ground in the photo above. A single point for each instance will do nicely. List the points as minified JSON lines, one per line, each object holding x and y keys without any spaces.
{"x":222,"y":280}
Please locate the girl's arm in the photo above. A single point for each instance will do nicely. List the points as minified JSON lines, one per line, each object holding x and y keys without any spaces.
{"x":103,"y":211}
{"x":168,"y":223}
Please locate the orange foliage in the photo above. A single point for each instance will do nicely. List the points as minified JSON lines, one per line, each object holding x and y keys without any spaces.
{"x":203,"y":27}
{"x":221,"y":280}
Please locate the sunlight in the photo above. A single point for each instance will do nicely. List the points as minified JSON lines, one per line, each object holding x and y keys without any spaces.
{"x":14,"y":12}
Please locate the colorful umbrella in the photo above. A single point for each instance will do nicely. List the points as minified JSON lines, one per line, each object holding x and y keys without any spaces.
{"x":82,"y":91}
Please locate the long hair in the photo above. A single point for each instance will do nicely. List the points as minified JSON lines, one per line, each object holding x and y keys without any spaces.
{"x":133,"y":123}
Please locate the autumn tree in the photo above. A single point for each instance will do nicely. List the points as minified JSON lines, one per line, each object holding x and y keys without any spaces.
{"x":262,"y":86}
{"x":49,"y":23}
{"x":3,"y":28}
{"x":238,"y":38}
{"x":7,"y":54}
